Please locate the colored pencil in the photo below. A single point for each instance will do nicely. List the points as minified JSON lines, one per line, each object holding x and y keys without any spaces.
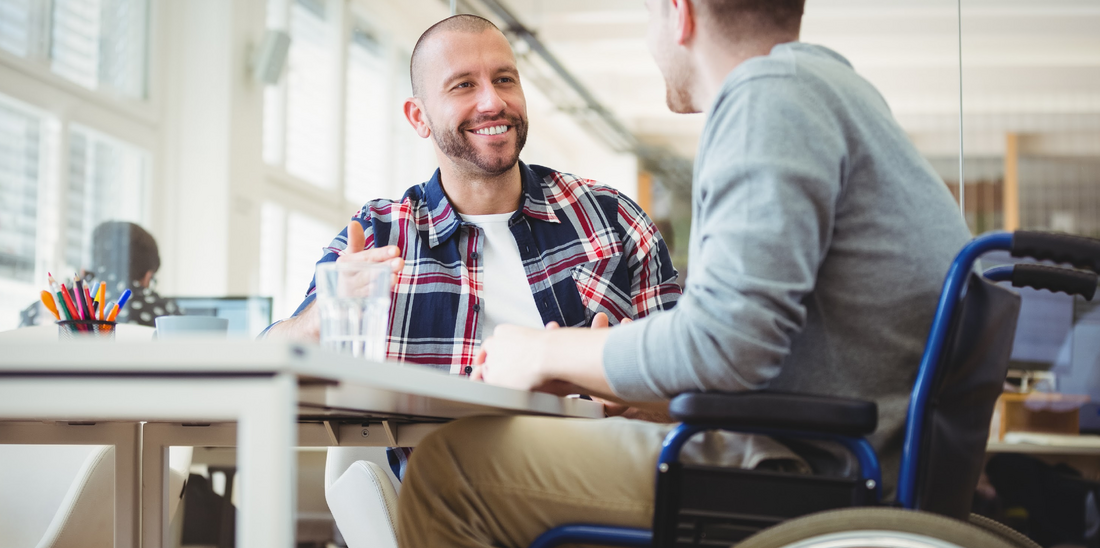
{"x":64,"y":308}
{"x":114,"y":313}
{"x":100,"y":297}
{"x":69,"y":305}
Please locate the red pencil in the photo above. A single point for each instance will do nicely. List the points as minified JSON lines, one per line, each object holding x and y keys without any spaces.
{"x":69,"y":302}
{"x":88,"y":302}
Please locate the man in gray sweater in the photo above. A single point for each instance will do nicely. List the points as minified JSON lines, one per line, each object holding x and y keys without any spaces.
{"x":820,"y":239}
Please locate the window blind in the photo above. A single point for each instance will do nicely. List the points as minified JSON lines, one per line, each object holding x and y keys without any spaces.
{"x":101,"y":44}
{"x":15,"y":26}
{"x":20,"y":149}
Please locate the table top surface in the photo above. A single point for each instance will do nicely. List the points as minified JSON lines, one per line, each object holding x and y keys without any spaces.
{"x":330,"y":384}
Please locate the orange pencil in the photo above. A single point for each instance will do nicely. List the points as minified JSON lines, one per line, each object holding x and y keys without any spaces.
{"x":100,"y":297}
{"x":113,"y":314}
{"x":47,"y":300}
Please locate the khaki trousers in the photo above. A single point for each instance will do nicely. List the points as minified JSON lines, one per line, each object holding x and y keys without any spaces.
{"x":503,"y":481}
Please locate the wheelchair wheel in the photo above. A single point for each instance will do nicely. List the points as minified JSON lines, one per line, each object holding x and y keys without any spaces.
{"x":1003,"y":531}
{"x":875,"y":528}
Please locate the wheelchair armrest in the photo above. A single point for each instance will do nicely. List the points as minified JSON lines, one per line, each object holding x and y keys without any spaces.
{"x":799,"y":412}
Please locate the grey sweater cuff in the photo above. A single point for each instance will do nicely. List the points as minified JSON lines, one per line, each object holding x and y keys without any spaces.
{"x":622,"y":363}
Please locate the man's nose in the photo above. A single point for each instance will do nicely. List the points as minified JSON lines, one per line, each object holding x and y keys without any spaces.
{"x":489,"y":100}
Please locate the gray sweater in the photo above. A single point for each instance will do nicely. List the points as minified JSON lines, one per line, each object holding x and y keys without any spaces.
{"x":819,"y":242}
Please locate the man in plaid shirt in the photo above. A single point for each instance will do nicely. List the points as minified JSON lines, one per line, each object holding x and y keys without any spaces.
{"x":583,"y":248}
{"x":489,"y":240}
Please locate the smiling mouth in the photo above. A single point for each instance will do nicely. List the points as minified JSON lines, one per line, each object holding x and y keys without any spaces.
{"x":491,"y":130}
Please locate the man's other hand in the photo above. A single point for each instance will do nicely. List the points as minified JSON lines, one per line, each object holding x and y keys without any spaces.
{"x":307,"y":325}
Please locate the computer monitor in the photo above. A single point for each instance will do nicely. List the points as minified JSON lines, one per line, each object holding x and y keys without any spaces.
{"x":1045,"y":321}
{"x":1059,"y":333}
{"x":247,"y":316}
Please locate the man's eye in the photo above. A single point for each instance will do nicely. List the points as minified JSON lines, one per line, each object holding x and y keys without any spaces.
{"x":463,"y":85}
{"x":506,"y":80}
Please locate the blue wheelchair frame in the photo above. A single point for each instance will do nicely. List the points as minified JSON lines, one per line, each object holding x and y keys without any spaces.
{"x":870,"y":471}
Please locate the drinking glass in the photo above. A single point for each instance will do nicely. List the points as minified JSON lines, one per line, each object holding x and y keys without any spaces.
{"x":354,"y":305}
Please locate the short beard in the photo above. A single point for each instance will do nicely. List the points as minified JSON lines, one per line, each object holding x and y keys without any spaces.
{"x":455,"y":144}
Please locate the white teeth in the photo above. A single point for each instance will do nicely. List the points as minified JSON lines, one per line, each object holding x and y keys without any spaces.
{"x":494,"y":130}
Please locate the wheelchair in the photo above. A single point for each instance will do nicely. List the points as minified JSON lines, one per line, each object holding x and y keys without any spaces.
{"x":960,"y":377}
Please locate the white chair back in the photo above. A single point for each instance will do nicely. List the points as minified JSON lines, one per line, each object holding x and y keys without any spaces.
{"x":57,"y":496}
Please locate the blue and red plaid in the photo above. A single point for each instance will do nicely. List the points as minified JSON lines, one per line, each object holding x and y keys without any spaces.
{"x":585,"y":249}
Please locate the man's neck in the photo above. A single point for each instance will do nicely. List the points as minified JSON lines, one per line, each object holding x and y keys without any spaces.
{"x":479,"y":194}
{"x":714,"y":61}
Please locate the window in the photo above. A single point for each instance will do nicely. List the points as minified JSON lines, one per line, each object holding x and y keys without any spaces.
{"x":20,"y":175}
{"x":334,"y":135}
{"x":301,"y":129}
{"x":291,"y":244}
{"x":106,"y":182}
{"x":368,"y":114}
{"x":16,"y":22}
{"x":60,"y":179}
{"x":98,"y":44}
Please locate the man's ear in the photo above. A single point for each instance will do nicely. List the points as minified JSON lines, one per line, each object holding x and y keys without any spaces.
{"x":414,"y":113}
{"x":684,"y":19}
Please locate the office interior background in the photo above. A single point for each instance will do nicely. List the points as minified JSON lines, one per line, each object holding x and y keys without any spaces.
{"x":148,"y":111}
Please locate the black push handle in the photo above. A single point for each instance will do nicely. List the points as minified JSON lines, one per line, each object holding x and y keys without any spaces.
{"x":1051,"y":278}
{"x":1078,"y":251}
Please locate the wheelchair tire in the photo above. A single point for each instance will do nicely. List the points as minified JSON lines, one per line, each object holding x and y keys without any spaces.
{"x":876,"y":528}
{"x":1003,"y":531}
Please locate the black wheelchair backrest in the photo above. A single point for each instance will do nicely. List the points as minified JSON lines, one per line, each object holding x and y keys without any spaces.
{"x":969,"y":380}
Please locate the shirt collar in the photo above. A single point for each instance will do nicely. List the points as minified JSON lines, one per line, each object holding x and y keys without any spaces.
{"x":443,"y":220}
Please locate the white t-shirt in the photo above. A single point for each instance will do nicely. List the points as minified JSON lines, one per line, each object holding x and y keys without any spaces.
{"x":506,"y":297}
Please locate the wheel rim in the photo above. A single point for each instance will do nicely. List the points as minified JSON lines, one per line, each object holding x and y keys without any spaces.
{"x":873,"y":539}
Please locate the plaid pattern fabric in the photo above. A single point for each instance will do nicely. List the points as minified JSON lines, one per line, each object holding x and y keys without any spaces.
{"x":585,"y":249}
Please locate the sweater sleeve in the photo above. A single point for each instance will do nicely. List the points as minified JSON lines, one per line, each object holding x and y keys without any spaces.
{"x":765,"y":193}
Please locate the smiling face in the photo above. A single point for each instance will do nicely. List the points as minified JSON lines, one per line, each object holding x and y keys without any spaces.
{"x":471,"y":101}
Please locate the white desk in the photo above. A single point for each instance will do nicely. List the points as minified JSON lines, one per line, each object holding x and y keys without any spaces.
{"x":276,"y":395}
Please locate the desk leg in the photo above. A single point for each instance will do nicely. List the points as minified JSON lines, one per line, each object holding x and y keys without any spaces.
{"x":266,"y":437}
{"x":154,"y":487}
{"x":127,"y":484}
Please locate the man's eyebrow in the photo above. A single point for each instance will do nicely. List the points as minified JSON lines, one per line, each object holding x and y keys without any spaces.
{"x":457,"y":76}
{"x":511,"y":69}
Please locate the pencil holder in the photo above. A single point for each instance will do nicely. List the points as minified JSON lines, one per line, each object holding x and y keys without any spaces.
{"x":68,"y":330}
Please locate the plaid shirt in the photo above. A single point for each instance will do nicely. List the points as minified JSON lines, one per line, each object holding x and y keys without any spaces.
{"x":585,"y":249}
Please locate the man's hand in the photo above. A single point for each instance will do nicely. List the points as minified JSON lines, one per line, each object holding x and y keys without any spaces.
{"x":555,"y":360}
{"x":307,"y":325}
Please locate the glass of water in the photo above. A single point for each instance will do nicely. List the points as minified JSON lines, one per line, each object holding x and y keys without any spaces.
{"x":354,"y":305}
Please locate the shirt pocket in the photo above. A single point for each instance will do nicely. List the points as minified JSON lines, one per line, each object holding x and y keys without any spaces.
{"x":604,"y":286}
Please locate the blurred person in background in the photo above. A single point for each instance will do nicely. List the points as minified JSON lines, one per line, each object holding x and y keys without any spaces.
{"x":126,"y":257}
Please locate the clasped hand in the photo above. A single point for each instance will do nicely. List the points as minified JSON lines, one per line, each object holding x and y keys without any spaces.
{"x":528,"y":359}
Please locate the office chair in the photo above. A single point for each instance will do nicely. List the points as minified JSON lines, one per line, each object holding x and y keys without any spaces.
{"x":362,"y":496}
{"x":961,"y":374}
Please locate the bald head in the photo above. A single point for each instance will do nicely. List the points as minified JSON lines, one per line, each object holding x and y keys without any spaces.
{"x":456,"y":23}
